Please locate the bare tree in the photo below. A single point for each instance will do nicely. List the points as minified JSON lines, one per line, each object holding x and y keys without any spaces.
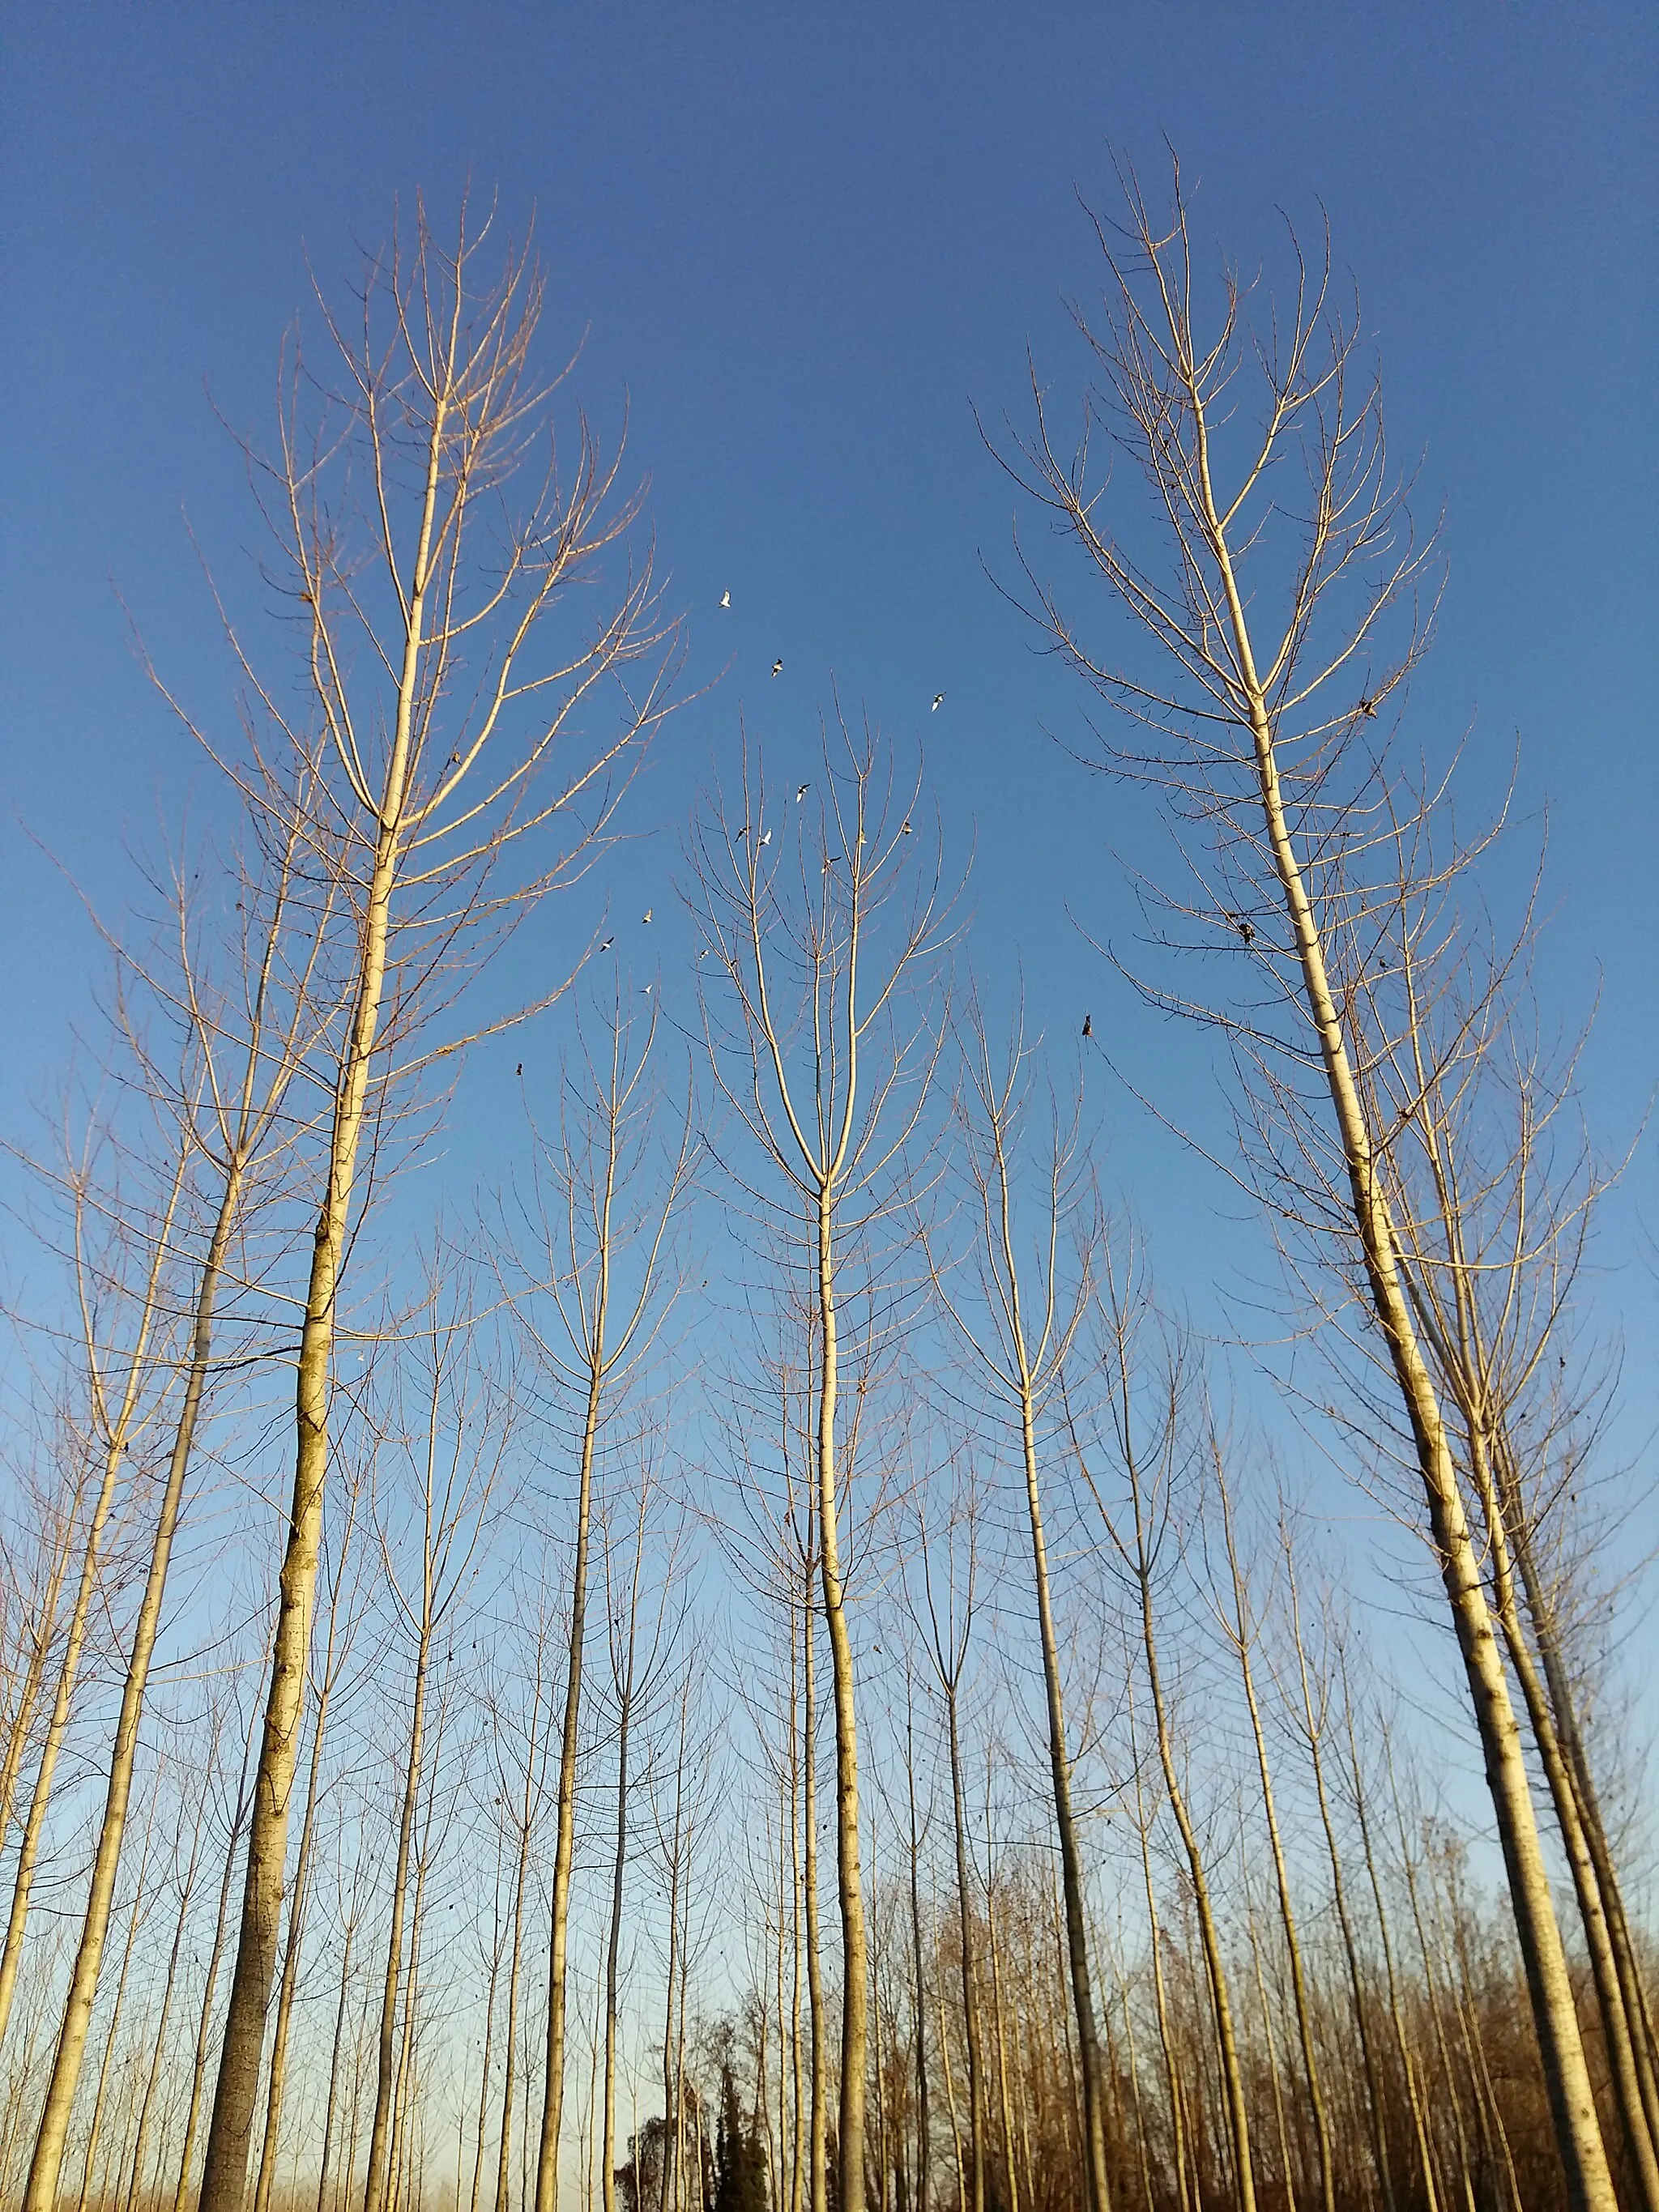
{"x":243,"y":1049}
{"x":600,"y":1220}
{"x":1022,"y":1330}
{"x":948,"y":1635}
{"x":429,"y":777}
{"x":456,"y":1444}
{"x":1260,"y":735}
{"x":1144,"y":1425}
{"x":122,"y":1256}
{"x":828,"y":1071}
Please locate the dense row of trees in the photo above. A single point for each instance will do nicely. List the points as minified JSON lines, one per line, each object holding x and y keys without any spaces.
{"x":476,"y":1727}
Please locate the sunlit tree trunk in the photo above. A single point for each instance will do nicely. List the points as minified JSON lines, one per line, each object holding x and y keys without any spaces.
{"x":115,"y":1412}
{"x":1257,"y":721}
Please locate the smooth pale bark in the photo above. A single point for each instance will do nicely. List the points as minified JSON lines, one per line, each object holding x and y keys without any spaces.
{"x":1178,"y":2157}
{"x":797,"y":2123}
{"x":95,"y":2123}
{"x":34,"y":1674}
{"x":40,"y":2194}
{"x":210,"y":1982}
{"x":547,"y":2160}
{"x":1023,"y":1365}
{"x":1240,"y":1637}
{"x":521,"y":1870}
{"x":495,"y":1951}
{"x":618,"y":1874}
{"x":158,"y":2059}
{"x":950,"y":2092}
{"x":1010,"y":2177}
{"x":277,"y":2071}
{"x":1226,"y":2041}
{"x":382,"y":2166}
{"x":1168,"y":384}
{"x":924,"y":2146}
{"x":1313,"y":1730}
{"x":1616,"y":2026}
{"x":1071,"y":1857}
{"x":224,"y":2179}
{"x":1396,"y":2014}
{"x":1564,"y":1708}
{"x":1287,"y":2163}
{"x":849,"y":1882}
{"x":819,"y":2057}
{"x":117,"y":1425}
{"x":1572,"y":2103}
{"x":331,"y":2107}
{"x":974,"y":2201}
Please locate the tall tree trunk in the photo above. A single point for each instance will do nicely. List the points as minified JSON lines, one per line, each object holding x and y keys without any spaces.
{"x":1316,"y":2105}
{"x":547,"y":2162}
{"x":198,"y":2069}
{"x":976,"y":2200}
{"x":618,"y":1872}
{"x":116,"y":1424}
{"x":1396,"y":2010}
{"x":1010,"y":2173}
{"x":41,"y":2192}
{"x":1572,"y":2103}
{"x":40,"y":1643}
{"x":380,"y":2168}
{"x":496,"y":1950}
{"x":1226,"y":2041}
{"x":334,"y":2063}
{"x":95,"y":2123}
{"x":277,"y":2077}
{"x":818,"y":2039}
{"x":1098,"y":2193}
{"x":1350,"y":1950}
{"x":1564,"y":1706}
{"x":224,"y":2178}
{"x":854,"y":1996}
{"x":924,"y":2147}
{"x":158,"y":2057}
{"x":1616,"y":2024}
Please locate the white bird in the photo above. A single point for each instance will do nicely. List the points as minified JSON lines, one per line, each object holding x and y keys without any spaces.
{"x":802,"y":793}
{"x":606,"y":946}
{"x":725,"y":598}
{"x":646,"y":917}
{"x":906,"y":830}
{"x":777,"y":668}
{"x":766,"y":837}
{"x":938,"y":700}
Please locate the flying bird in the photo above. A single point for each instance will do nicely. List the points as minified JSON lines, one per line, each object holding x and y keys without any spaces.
{"x":802,"y":793}
{"x":725,"y":598}
{"x":766,"y":837}
{"x":938,"y":700}
{"x":606,"y":946}
{"x":777,"y":668}
{"x":646,"y":917}
{"x":741,"y":834}
{"x":1088,"y":1025}
{"x":907,"y":828}
{"x":1368,"y":709}
{"x":519,"y":1069}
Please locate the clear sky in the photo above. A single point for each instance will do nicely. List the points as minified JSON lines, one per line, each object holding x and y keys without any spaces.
{"x":805,"y":243}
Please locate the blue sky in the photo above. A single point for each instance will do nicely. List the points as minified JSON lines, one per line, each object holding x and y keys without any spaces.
{"x":804,"y":244}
